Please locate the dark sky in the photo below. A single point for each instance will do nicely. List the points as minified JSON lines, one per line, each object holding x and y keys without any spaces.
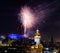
{"x":9,"y":19}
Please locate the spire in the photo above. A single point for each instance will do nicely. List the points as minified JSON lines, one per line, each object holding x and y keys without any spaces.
{"x":37,"y":32}
{"x":37,"y":37}
{"x":52,"y":40}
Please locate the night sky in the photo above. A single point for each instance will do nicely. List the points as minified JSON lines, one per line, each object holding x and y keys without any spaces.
{"x":9,"y":22}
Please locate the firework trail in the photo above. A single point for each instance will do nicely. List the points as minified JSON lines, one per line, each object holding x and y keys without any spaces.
{"x":28,"y":18}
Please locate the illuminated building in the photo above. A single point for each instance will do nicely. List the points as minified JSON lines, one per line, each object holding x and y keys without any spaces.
{"x":37,"y":37}
{"x":38,"y":46}
{"x":15,"y":36}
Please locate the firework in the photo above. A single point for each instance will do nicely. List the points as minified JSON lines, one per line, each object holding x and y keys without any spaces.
{"x":27,"y":18}
{"x":32,"y":18}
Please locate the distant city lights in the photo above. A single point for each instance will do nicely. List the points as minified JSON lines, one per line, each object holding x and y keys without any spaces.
{"x":2,"y":37}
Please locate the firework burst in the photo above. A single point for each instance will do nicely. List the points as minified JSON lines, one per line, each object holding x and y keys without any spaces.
{"x":27,"y":17}
{"x":32,"y":17}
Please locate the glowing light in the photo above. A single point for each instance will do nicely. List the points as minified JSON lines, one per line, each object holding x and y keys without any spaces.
{"x":32,"y":47}
{"x":25,"y":35}
{"x":2,"y":37}
{"x":36,"y":46}
{"x":15,"y":36}
{"x":32,"y":18}
{"x":27,"y":17}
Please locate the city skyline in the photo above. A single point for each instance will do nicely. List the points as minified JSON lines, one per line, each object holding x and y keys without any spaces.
{"x":49,"y":25}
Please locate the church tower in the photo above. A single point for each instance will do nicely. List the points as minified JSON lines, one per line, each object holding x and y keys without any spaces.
{"x":37,"y":37}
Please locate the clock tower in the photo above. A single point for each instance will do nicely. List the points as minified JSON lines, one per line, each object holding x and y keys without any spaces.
{"x":37,"y":37}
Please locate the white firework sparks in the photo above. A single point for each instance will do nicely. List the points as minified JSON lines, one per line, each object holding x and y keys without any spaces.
{"x":28,"y":18}
{"x":32,"y":17}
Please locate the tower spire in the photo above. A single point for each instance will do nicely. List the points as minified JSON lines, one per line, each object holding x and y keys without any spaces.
{"x":37,"y":33}
{"x":37,"y":37}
